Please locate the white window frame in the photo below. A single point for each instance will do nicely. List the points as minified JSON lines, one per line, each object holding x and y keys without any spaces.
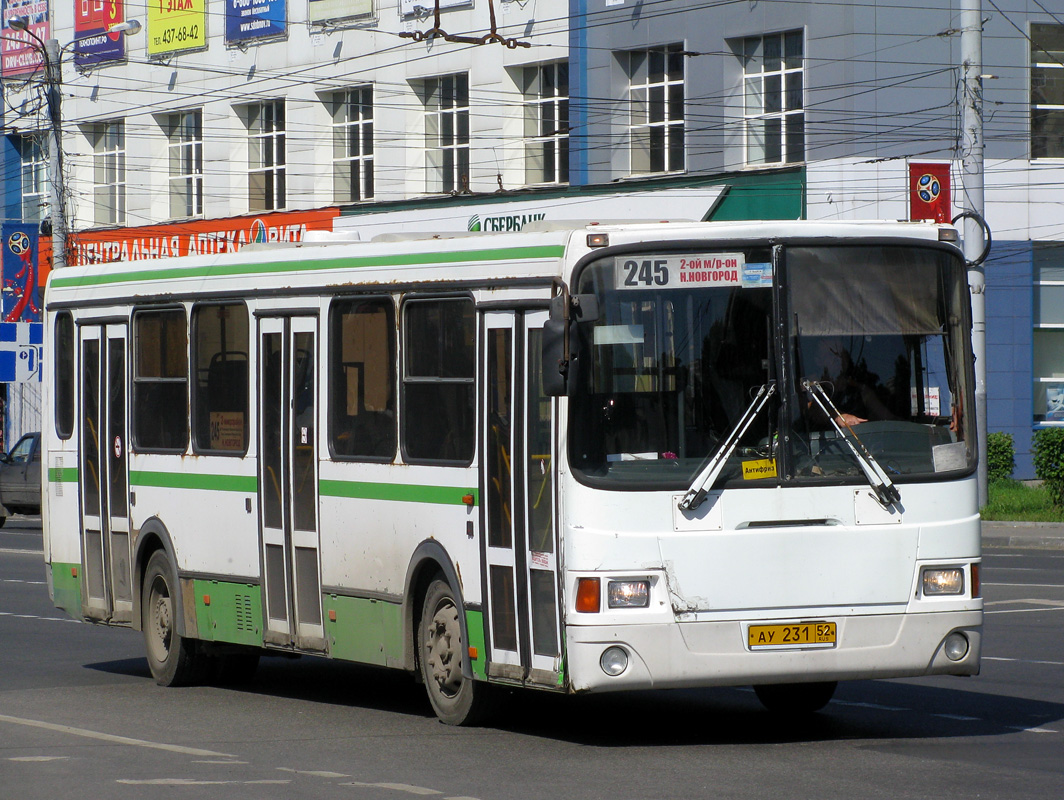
{"x":266,"y":156}
{"x":447,"y":133}
{"x":773,"y":98}
{"x":109,"y":172}
{"x":1041,"y":381}
{"x":184,"y":132}
{"x":33,"y":176}
{"x":1041,"y":60}
{"x":546,"y":120}
{"x":656,"y":113}
{"x":352,"y":128}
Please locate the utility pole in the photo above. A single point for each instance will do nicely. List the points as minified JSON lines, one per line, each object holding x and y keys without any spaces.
{"x":53,"y":80}
{"x":972,"y":183}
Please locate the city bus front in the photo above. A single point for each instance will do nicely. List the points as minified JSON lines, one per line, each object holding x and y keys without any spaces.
{"x":770,"y":464}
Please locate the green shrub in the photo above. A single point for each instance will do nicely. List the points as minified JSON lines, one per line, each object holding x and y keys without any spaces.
{"x":1048,"y":451}
{"x":1000,"y":456}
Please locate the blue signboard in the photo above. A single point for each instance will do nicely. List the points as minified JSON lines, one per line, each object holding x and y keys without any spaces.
{"x":21,"y":301}
{"x":21,"y":344}
{"x":93,"y":41}
{"x":254,"y":19}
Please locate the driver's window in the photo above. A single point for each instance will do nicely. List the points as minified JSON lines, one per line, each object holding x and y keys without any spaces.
{"x":21,"y":452}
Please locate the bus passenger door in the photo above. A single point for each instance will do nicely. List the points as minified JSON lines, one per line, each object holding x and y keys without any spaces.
{"x":103,"y":475}
{"x":521,"y":563}
{"x":288,"y":482}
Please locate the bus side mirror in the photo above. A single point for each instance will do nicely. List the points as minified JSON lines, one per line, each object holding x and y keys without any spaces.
{"x":559,"y":341}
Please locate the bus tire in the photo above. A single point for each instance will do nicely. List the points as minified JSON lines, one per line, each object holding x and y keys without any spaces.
{"x":456,"y":699}
{"x":795,"y":699}
{"x":172,"y":659}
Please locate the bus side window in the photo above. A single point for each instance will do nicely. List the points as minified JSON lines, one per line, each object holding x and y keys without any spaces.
{"x":220,"y":365}
{"x":64,"y":375}
{"x":439,"y":358}
{"x":362,"y":338}
{"x":160,"y":380}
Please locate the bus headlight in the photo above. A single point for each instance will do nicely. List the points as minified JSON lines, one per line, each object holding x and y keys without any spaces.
{"x":628,"y":594}
{"x":943,"y":581}
{"x":955,"y":646}
{"x":614,"y":661}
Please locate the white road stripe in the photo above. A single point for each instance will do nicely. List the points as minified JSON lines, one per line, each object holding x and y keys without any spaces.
{"x":1025,"y":661}
{"x":43,"y":619}
{"x":107,"y":737}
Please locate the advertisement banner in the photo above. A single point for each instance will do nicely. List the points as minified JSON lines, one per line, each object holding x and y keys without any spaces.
{"x":195,"y":237}
{"x":92,"y":43}
{"x":176,"y":25}
{"x":321,"y":10}
{"x":254,"y":19}
{"x":929,"y":191}
{"x":21,"y":294}
{"x":20,"y":54}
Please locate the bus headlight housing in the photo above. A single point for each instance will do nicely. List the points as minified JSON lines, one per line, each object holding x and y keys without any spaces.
{"x":614,"y":661}
{"x":943,"y":581}
{"x":628,"y":594}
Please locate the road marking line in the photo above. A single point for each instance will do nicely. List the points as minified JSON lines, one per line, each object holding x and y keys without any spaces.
{"x":33,"y":616}
{"x":1023,"y":610}
{"x":399,"y":787}
{"x":39,"y":758}
{"x":314,"y":773}
{"x":1025,"y":661}
{"x":1030,"y":585}
{"x":1030,"y":730}
{"x":875,"y":706}
{"x":15,"y":552}
{"x":107,"y":737}
{"x":31,"y":583}
{"x":193,"y":782}
{"x":958,"y":717}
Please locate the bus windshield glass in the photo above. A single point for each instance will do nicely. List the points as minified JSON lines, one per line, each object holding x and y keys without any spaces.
{"x":683,"y":342}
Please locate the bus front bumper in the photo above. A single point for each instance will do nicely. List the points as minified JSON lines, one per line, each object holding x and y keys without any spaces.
{"x":694,"y":654}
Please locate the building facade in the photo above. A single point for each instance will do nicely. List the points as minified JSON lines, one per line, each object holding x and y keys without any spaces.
{"x":224,"y":121}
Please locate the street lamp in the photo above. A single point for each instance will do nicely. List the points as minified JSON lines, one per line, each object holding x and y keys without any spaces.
{"x":53,"y":79}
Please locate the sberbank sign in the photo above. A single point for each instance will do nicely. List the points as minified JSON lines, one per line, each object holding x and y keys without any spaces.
{"x":503,"y":222}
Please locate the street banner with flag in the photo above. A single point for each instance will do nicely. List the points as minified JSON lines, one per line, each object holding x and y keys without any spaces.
{"x":21,"y":293}
{"x":929,"y":191}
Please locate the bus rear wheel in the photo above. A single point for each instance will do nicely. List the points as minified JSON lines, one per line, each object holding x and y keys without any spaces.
{"x":172,"y":659}
{"x":456,"y":699}
{"x":795,"y":699}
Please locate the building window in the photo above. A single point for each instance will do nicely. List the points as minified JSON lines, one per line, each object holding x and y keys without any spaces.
{"x":352,"y":120}
{"x":109,"y":172}
{"x":220,"y":386}
{"x":656,"y":109}
{"x":1049,"y":332}
{"x":446,"y":101}
{"x":266,"y":156}
{"x":1047,"y":90}
{"x":33,"y":156}
{"x":773,"y":106}
{"x":184,"y":131}
{"x":439,"y":403}
{"x":160,"y":380}
{"x":546,"y":93}
{"x":362,"y":379}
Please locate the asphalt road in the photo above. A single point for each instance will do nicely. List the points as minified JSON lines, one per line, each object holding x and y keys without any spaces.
{"x":79,"y":714}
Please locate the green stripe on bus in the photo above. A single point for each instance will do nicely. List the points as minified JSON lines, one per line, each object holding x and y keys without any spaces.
{"x":221,"y":269}
{"x":401,"y":492}
{"x":190,"y":480}
{"x":62,"y":474}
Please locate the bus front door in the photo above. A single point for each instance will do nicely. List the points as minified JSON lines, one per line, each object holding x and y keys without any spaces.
{"x":103,"y":476}
{"x":520,"y":546}
{"x":288,"y":482}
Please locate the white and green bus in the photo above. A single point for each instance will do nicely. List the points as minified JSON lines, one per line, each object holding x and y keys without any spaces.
{"x":578,"y":459}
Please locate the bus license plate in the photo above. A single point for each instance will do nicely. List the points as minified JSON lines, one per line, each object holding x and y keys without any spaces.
{"x":796,"y":635}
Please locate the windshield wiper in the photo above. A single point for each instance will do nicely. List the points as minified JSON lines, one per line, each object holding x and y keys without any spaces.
{"x":886,"y":492}
{"x":704,"y":481}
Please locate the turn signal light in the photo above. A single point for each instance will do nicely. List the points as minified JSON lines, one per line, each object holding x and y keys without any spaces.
{"x":588,"y":595}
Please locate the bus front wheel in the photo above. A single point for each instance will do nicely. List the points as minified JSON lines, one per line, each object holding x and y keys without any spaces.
{"x":456,"y":699}
{"x":794,"y":699}
{"x":173,"y":659}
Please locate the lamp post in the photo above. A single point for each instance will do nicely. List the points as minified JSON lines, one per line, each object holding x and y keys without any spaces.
{"x":53,"y":80}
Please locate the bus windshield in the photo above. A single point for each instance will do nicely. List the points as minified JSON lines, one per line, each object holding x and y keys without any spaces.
{"x":683,"y":342}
